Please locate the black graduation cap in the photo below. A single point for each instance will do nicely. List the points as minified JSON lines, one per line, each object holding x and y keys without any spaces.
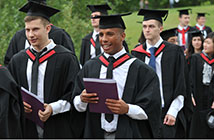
{"x":184,"y":11}
{"x":153,"y":14}
{"x":39,"y":1}
{"x":33,"y":8}
{"x":100,"y":8}
{"x":210,"y":119}
{"x":166,"y":34}
{"x":202,"y":14}
{"x":195,"y":33}
{"x":112,"y":21}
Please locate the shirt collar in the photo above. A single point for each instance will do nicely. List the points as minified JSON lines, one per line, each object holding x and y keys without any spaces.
{"x":201,"y":27}
{"x":50,"y":46}
{"x":156,"y":45}
{"x":181,"y":28}
{"x":117,"y":55}
{"x":94,"y":34}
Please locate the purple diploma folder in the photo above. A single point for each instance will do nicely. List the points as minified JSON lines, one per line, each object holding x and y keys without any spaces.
{"x":105,"y":89}
{"x":36,"y":105}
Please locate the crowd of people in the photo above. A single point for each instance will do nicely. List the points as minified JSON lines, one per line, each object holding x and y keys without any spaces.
{"x":165,"y":84}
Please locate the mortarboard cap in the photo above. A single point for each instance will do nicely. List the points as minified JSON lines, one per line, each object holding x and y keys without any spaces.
{"x":36,"y":9}
{"x":112,"y":21}
{"x":196,"y":33}
{"x":184,"y":11}
{"x":210,"y":119}
{"x":99,"y":8}
{"x":166,"y":34}
{"x":153,"y":14}
{"x":39,"y":1}
{"x":202,"y":14}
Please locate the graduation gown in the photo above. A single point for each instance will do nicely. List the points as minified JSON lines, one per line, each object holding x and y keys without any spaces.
{"x":86,"y":47}
{"x":141,"y":88}
{"x":173,"y":79}
{"x":17,"y":43}
{"x":61,"y":70}
{"x":203,"y":95}
{"x":11,"y":107}
{"x":206,"y":28}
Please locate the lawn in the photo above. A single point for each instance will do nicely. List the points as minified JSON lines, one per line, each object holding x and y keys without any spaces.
{"x":134,"y":29}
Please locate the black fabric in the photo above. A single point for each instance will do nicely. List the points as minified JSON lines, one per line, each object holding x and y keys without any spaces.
{"x":97,"y":45}
{"x":207,"y":29}
{"x":85,"y":48}
{"x":204,"y":97}
{"x":141,"y":88}
{"x":61,"y":70}
{"x":17,"y":43}
{"x":173,"y":78}
{"x":11,"y":107}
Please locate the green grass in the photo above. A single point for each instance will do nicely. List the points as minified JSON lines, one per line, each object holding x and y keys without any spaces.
{"x":134,"y":29}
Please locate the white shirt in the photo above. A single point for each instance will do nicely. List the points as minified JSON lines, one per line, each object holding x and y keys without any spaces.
{"x":92,"y":49}
{"x":178,"y":102}
{"x":119,"y":74}
{"x":180,"y":36}
{"x":202,"y":30}
{"x":59,"y":106}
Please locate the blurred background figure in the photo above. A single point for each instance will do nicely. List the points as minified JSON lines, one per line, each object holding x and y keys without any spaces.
{"x":146,"y":4}
{"x":141,"y":4}
{"x":171,"y":3}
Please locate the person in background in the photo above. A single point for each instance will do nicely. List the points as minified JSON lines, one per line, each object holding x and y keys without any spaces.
{"x":202,"y":89}
{"x":168,"y":61}
{"x":170,"y":35}
{"x":184,"y":28}
{"x":195,"y":44}
{"x":20,"y":42}
{"x":200,"y":25}
{"x":137,"y":112}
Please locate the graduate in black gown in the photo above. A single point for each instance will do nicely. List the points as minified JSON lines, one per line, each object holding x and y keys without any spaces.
{"x":20,"y":42}
{"x":11,"y":107}
{"x":202,"y":88}
{"x":48,"y":71}
{"x":200,"y":25}
{"x":90,"y":46}
{"x":184,"y":28}
{"x":137,"y":112}
{"x":168,"y":61}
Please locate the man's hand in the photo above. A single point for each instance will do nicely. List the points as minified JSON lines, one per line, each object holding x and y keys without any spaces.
{"x":117,"y":106}
{"x":27,"y":107}
{"x":88,"y":97}
{"x":44,"y":115}
{"x":169,"y":120}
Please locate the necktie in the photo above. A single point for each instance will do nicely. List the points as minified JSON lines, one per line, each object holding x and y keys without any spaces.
{"x":97,"y":45}
{"x":109,"y":117}
{"x":34,"y":76}
{"x":152,"y":58}
{"x":183,"y":37}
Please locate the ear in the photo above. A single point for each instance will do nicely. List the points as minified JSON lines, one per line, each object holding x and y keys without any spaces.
{"x":123,"y":35}
{"x":161,"y":29}
{"x":48,"y":28}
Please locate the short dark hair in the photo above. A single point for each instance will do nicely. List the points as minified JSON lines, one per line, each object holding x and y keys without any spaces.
{"x":31,"y":18}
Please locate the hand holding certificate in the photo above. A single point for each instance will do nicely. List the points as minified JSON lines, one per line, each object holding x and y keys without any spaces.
{"x":105,"y":89}
{"x":36,"y":105}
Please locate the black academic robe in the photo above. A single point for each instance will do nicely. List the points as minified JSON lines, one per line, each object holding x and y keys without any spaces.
{"x":61,"y":70}
{"x":203,"y":95}
{"x":17,"y":43}
{"x":86,"y":47}
{"x":173,"y":81}
{"x":141,"y":88}
{"x":11,"y":107}
{"x":206,"y":28}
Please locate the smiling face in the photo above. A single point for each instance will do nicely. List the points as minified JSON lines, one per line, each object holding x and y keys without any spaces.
{"x":197,"y":42}
{"x":37,"y":33}
{"x":201,"y":20}
{"x":111,"y":40}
